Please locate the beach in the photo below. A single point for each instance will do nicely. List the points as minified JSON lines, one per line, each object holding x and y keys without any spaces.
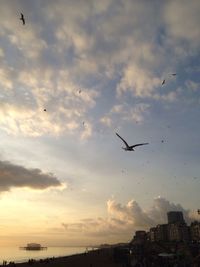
{"x":95,"y":258}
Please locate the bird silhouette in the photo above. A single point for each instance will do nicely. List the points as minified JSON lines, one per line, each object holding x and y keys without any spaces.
{"x":22,"y":19}
{"x":173,"y":74}
{"x":163,"y":82}
{"x":130,"y":148}
{"x":45,"y":109}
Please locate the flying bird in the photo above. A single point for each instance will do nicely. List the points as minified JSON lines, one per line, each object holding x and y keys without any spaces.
{"x":22,"y":19}
{"x":45,"y":109}
{"x":173,"y":74}
{"x":163,"y":82}
{"x":129,"y":148}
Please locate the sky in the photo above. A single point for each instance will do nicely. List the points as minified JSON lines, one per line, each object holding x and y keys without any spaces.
{"x":97,"y":68}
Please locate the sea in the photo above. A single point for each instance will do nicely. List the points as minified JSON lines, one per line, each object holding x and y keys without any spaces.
{"x":19,"y":255}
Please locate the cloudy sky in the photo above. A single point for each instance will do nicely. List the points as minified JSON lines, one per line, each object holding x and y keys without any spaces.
{"x":97,"y":68}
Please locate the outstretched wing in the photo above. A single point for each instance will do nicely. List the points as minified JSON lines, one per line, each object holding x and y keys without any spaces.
{"x":139,"y":145}
{"x":122,"y":140}
{"x":22,"y":19}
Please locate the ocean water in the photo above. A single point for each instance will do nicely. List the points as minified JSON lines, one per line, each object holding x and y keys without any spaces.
{"x":18,"y":255}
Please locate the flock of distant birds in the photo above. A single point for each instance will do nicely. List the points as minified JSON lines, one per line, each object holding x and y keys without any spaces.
{"x":127,"y":146}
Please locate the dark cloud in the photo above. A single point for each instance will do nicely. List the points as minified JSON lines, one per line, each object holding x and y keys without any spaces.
{"x":18,"y":176}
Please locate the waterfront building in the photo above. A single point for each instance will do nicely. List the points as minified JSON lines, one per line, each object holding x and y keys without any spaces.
{"x":175,"y":217}
{"x":178,"y":232}
{"x":195,"y":231}
{"x":152,"y":234}
{"x":175,"y":231}
{"x":140,"y":236}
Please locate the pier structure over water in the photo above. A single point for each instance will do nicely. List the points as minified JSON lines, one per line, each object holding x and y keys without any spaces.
{"x":33,"y":246}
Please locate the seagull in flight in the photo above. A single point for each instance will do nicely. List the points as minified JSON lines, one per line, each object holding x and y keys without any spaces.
{"x":22,"y":19}
{"x":129,"y":148}
{"x":163,"y":82}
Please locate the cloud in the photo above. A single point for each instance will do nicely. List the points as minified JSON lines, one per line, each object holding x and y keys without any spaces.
{"x":123,"y":220}
{"x":169,"y":97}
{"x":5,"y":79}
{"x":15,"y":176}
{"x":36,"y":91}
{"x":130,"y":213}
{"x":87,"y":132}
{"x":193,"y":86}
{"x":137,"y":113}
{"x":82,"y":45}
{"x":182,"y":20}
{"x":1,"y":53}
{"x":126,"y":113}
{"x":139,"y":81}
{"x":106,"y":121}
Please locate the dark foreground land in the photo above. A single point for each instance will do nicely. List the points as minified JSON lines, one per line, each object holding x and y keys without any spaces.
{"x":96,"y":258}
{"x":138,"y":255}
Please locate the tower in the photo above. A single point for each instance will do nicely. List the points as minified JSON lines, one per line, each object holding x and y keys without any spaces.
{"x":175,"y":217}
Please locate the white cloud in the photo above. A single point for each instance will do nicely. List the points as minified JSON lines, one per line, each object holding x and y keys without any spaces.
{"x":55,"y":92}
{"x":106,"y":121}
{"x":5,"y":79}
{"x":137,"y":113}
{"x":192,"y":86}
{"x":137,"y":80}
{"x":117,"y":109}
{"x":182,"y":20}
{"x":87,"y":132}
{"x":169,"y":97}
{"x":77,"y":45}
{"x":130,"y":213}
{"x":126,"y":113}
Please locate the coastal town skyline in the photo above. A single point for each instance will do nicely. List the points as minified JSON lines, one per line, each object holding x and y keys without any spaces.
{"x":73,"y":73}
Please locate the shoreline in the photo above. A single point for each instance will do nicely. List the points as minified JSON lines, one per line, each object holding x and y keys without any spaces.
{"x":97,"y":258}
{"x":11,"y":254}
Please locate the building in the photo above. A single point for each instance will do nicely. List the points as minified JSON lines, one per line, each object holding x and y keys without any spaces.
{"x":175,"y":231}
{"x":175,"y":217}
{"x":158,"y":233}
{"x":140,"y":237}
{"x":178,"y":232}
{"x":152,"y":234}
{"x":162,"y":232}
{"x":195,"y":231}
